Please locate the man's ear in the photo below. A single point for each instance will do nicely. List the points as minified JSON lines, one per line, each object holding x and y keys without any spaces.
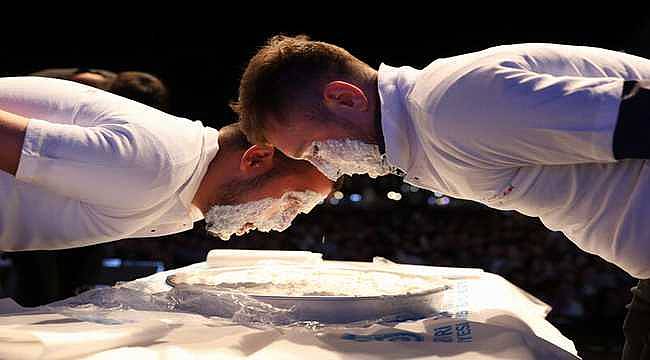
{"x":257,"y":160}
{"x":343,"y":96}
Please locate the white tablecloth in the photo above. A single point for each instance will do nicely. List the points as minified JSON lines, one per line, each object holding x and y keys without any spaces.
{"x":492,"y":319}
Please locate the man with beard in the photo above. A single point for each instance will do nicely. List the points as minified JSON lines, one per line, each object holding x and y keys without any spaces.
{"x":82,"y":166}
{"x":551,"y":131}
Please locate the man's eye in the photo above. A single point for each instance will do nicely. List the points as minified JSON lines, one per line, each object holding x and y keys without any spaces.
{"x":314,"y":150}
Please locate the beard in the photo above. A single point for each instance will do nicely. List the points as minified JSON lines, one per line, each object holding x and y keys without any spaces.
{"x":264,"y":215}
{"x":335,"y":158}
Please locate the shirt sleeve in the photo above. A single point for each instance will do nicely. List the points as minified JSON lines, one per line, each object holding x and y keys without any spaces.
{"x":505,"y":115}
{"x":88,"y":144}
{"x":37,"y":219}
{"x":113,"y":165}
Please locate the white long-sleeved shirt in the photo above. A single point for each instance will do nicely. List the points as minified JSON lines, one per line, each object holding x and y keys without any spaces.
{"x":97,"y":167}
{"x":526,"y":127}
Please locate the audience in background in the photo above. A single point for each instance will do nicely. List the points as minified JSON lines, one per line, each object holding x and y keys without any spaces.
{"x":135,"y":85}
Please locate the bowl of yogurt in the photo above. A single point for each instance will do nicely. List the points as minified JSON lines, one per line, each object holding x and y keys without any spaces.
{"x":328,"y":294}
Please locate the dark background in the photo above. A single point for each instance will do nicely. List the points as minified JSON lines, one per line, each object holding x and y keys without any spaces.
{"x":201,"y":59}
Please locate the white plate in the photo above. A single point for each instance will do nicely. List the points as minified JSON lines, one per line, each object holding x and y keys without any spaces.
{"x":417,"y":301}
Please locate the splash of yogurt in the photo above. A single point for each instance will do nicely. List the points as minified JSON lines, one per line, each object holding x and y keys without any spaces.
{"x":335,"y":158}
{"x":264,"y":215}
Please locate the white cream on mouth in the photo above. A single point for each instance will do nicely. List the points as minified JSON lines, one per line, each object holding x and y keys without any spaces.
{"x":335,"y":158}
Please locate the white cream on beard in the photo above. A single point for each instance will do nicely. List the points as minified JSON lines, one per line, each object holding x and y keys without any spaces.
{"x":335,"y":158}
{"x":264,"y":215}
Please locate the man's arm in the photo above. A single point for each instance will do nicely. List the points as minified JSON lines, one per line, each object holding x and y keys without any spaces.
{"x":76,"y":148}
{"x":507,"y":116}
{"x":12,"y":135}
{"x":82,"y":143}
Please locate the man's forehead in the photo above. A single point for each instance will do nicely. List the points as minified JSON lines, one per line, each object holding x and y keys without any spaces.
{"x":291,"y":121}
{"x":288,"y":137}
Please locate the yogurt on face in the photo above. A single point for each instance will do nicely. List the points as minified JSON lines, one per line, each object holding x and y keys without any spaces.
{"x":335,"y":158}
{"x":264,"y":215}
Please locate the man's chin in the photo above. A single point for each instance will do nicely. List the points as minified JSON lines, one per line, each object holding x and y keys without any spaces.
{"x":245,"y":229}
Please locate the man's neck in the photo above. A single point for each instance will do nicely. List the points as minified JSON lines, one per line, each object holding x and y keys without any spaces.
{"x":218,"y":173}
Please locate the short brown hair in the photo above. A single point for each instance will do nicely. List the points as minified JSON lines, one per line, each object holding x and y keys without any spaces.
{"x":232,"y":136}
{"x":285,"y":67}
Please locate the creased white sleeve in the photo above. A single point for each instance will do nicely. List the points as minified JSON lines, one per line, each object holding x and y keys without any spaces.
{"x":94,"y":166}
{"x":85,"y":144}
{"x":506,"y":115}
{"x":71,"y":223}
{"x":113,"y":165}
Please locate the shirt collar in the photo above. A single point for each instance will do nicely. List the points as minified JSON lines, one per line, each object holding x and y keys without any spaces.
{"x":394,"y":85}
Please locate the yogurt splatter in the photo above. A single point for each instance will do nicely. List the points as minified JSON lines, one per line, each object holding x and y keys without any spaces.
{"x":335,"y":158}
{"x":264,"y":215}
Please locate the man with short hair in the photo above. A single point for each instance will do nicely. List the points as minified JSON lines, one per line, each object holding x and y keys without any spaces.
{"x":552,"y":131}
{"x":82,"y":166}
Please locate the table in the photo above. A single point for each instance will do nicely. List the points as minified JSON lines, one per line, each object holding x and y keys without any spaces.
{"x":484,"y":317}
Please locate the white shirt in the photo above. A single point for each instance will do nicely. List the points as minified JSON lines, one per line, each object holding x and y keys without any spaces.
{"x":97,"y":167}
{"x":529,"y":128}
